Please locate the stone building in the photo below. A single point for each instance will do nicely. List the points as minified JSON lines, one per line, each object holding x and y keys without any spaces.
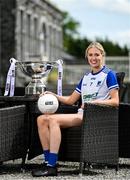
{"x":28,"y":29}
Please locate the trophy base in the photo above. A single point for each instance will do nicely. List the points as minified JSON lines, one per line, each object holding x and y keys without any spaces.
{"x":33,"y":90}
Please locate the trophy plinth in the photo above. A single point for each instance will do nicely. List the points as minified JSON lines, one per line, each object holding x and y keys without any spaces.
{"x":35,"y":87}
{"x":36,"y":70}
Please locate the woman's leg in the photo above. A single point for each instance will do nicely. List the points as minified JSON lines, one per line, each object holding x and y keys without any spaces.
{"x":43,"y":131}
{"x":49,"y":128}
{"x":58,"y":121}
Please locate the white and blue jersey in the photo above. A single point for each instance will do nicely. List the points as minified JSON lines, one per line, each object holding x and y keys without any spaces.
{"x":97,"y":85}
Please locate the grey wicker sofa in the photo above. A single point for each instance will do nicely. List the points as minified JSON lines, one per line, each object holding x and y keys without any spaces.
{"x":124,"y":130}
{"x":99,"y":135}
{"x":96,"y":141}
{"x":13,"y":133}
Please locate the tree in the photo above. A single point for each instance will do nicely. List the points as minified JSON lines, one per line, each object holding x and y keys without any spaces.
{"x":70,"y":29}
{"x":75,"y":45}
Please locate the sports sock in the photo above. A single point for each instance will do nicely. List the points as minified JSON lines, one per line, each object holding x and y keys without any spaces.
{"x":46,"y":155}
{"x":53,"y":157}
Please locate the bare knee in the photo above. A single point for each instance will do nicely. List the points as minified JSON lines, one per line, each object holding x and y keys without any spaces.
{"x":53,"y":122}
{"x":41,"y":121}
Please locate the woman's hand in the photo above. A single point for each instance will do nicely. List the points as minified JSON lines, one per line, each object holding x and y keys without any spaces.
{"x":48,"y":92}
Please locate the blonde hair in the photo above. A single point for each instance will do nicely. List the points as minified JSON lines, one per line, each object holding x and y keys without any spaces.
{"x":97,"y":45}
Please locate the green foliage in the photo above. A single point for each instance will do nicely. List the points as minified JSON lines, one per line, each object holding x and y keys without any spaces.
{"x":75,"y":45}
{"x":113,"y":49}
{"x":70,"y":31}
{"x":70,"y":26}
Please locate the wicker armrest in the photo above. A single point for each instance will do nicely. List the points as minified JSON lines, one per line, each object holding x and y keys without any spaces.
{"x":99,"y":105}
{"x":100,"y":134}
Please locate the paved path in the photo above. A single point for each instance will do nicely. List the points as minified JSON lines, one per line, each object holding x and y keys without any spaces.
{"x":67,"y":171}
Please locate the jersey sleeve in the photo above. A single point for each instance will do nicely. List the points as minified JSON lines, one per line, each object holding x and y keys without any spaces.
{"x":78,"y":87}
{"x":112,"y":80}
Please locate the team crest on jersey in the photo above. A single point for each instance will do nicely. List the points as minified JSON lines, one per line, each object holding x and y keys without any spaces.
{"x":98,"y":83}
{"x":91,"y":83}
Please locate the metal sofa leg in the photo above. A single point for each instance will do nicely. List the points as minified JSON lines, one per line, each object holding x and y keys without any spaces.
{"x":84,"y":165}
{"x":117,"y":167}
{"x":81,"y":167}
{"x":23,"y":163}
{"x":1,"y":162}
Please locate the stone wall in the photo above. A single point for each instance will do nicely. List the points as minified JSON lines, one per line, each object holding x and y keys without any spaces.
{"x":7,"y":35}
{"x":29,"y":30}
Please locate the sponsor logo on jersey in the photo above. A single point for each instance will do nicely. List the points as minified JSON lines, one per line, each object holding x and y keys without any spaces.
{"x":89,"y":97}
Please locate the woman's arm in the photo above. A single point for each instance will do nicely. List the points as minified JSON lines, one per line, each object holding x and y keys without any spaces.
{"x":75,"y":96}
{"x":113,"y":101}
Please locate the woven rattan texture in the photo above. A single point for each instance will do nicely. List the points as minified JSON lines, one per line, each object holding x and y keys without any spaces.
{"x":100,"y":135}
{"x":13,"y":137}
{"x":124,"y":130}
{"x":71,"y":138}
{"x":71,"y":144}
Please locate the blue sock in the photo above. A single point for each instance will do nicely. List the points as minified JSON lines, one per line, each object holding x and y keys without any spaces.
{"x":46,"y":155}
{"x":53,"y":157}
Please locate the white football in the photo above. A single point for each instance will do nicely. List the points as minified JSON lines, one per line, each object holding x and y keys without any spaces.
{"x":48,"y":103}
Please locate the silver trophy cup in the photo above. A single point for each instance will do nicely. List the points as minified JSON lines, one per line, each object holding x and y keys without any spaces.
{"x":36,"y":70}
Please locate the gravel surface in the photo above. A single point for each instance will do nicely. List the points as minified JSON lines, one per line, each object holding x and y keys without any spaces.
{"x":11,"y":170}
